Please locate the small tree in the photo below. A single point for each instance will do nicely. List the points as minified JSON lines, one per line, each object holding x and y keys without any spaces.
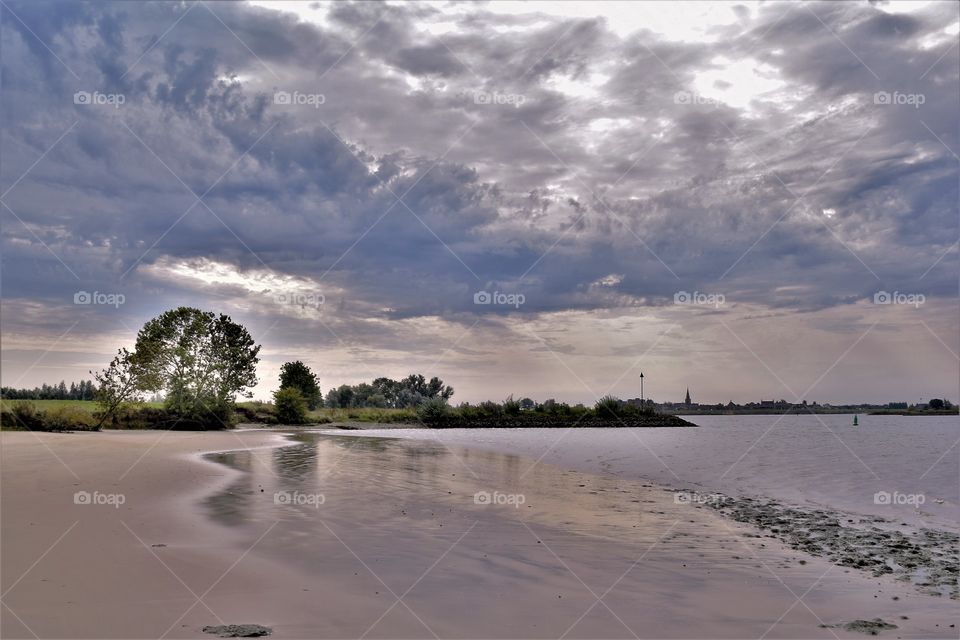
{"x":120,"y":382}
{"x":290,"y":405}
{"x":299,"y":376}
{"x":936,"y":404}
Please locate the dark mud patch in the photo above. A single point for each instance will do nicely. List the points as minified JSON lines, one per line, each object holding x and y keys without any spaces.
{"x":927,"y":558}
{"x":869,"y":627}
{"x":239,"y":630}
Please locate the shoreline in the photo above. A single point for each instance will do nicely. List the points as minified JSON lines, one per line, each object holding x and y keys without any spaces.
{"x":692,"y":561}
{"x":923,"y":556}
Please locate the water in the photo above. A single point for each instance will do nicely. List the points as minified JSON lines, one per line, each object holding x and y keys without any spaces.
{"x":806,"y":460}
{"x":399,"y":519}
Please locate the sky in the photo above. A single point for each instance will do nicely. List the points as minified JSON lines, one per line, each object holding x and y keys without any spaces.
{"x":752,"y":200}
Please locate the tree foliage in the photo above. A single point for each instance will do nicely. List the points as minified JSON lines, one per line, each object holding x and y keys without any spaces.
{"x":299,"y":376}
{"x":290,"y":406}
{"x":201,"y":361}
{"x":411,"y":391}
{"x":83,"y":390}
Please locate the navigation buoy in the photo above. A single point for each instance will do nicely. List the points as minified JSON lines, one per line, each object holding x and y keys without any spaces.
{"x":855,"y":421}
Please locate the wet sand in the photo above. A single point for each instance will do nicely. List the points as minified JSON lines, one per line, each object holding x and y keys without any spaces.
{"x":336,"y":537}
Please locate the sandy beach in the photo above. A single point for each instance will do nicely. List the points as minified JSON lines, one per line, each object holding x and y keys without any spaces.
{"x":336,"y":537}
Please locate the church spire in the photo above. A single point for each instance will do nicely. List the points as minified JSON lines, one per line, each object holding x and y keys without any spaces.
{"x":687,"y":399}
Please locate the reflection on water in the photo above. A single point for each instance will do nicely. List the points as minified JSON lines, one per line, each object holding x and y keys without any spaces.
{"x":308,"y":466}
{"x":403,"y":479}
{"x":384,"y":516}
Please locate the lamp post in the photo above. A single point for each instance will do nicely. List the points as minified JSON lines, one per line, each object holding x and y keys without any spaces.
{"x":641,"y":389}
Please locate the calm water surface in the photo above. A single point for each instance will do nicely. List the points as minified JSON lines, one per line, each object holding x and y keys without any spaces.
{"x":808,"y":460}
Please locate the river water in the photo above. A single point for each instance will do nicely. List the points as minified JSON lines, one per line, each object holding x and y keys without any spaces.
{"x":899,"y":467}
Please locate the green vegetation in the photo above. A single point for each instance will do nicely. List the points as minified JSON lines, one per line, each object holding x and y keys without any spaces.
{"x":55,"y":415}
{"x":290,"y":406}
{"x":433,"y":409}
{"x":385,"y":393}
{"x":84,"y":390}
{"x":198,"y":363}
{"x":198,"y":360}
{"x":298,"y":376}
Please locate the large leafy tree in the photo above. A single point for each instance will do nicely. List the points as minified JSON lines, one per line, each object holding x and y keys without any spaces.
{"x":298,"y":376}
{"x":200,"y":360}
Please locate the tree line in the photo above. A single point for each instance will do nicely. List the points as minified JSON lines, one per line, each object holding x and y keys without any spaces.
{"x":83,"y":390}
{"x":300,"y":392}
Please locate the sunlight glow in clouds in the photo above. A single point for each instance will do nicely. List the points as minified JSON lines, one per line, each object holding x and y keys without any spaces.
{"x":722,"y":148}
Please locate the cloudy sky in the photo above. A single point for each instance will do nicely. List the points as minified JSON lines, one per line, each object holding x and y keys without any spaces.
{"x":542,"y":199}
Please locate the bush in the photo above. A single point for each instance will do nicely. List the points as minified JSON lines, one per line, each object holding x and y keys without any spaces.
{"x":433,"y":409}
{"x":290,"y":406}
{"x":608,"y":407}
{"x":24,"y":416}
{"x":69,"y":418}
{"x":256,"y":412}
{"x":140,"y":417}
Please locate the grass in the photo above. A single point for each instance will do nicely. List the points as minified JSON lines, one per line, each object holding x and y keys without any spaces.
{"x":365,"y":414}
{"x":80,"y":414}
{"x":84,"y":405}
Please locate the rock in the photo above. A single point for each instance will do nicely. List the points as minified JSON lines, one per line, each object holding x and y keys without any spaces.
{"x":239,"y":630}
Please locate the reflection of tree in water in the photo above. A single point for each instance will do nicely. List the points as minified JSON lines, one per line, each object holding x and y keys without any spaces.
{"x":231,"y":506}
{"x":239,"y":460}
{"x":363,"y":443}
{"x":293,"y":464}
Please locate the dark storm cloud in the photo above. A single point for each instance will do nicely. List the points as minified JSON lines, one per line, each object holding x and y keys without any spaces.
{"x":507,"y":182}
